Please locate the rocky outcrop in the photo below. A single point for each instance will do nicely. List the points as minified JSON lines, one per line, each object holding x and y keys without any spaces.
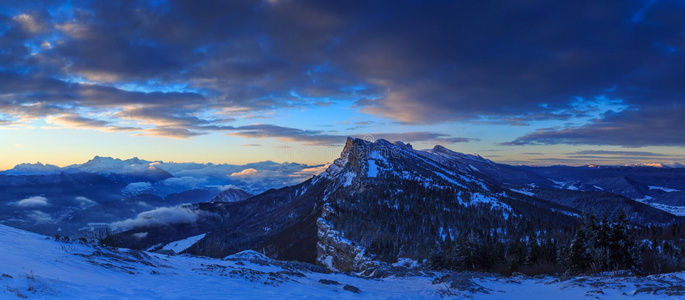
{"x":337,"y":253}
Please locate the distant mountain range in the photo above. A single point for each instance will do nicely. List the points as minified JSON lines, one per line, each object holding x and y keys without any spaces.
{"x":253,"y":177}
{"x":381,"y":201}
{"x":77,"y":199}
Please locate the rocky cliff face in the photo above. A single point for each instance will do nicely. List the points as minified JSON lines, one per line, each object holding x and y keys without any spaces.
{"x":335,"y":252}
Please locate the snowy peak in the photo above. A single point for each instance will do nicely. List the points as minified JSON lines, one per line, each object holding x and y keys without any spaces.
{"x":232,"y":194}
{"x":363,"y":160}
{"x":357,"y":154}
{"x":440,"y":150}
{"x":114,"y":165}
{"x":136,"y":161}
{"x":403,"y":145}
{"x":34,"y":169}
{"x":134,"y":168}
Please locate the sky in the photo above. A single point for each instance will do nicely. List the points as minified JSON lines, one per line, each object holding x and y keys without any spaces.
{"x":522,"y":82}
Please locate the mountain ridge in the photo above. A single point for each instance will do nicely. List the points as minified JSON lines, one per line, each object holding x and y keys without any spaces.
{"x":269,"y":222}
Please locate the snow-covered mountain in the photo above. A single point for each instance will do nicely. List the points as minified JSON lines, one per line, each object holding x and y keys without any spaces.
{"x":252,"y":177}
{"x":113,"y":165}
{"x":231,"y":194}
{"x":660,"y":187}
{"x":378,"y":202}
{"x":33,"y":169}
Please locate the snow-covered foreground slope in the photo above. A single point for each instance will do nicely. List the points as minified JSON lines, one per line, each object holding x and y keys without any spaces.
{"x":36,"y":266}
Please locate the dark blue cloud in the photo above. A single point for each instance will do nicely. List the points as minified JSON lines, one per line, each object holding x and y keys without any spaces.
{"x":317,"y":137}
{"x":415,"y":62}
{"x":650,"y":125}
